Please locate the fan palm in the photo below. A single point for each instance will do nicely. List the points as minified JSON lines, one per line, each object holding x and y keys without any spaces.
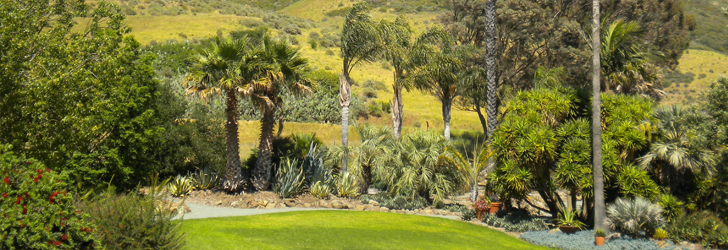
{"x":376,"y":145}
{"x":220,"y":70}
{"x":360,"y":42}
{"x":283,"y":70}
{"x":679,"y":150}
{"x":469,"y":168}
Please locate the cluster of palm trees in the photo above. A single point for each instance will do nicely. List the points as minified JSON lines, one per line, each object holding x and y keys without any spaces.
{"x":257,"y":70}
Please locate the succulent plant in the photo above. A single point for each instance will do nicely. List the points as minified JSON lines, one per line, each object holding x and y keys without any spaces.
{"x":347,"y":186}
{"x":633,"y":216}
{"x":289,"y":179}
{"x":320,"y":190}
{"x":204,"y":179}
{"x":660,"y":234}
{"x":568,"y":218}
{"x":600,"y":233}
{"x":180,"y":186}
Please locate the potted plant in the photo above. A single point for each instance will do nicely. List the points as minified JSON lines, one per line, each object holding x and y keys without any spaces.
{"x":568,"y":222}
{"x":495,"y":203}
{"x":481,"y":206}
{"x":599,"y":235}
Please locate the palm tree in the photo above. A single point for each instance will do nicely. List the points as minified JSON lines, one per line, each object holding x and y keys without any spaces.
{"x":490,"y":53}
{"x":600,"y":209}
{"x":679,"y":150}
{"x":625,"y":66}
{"x":396,"y":42}
{"x":437,"y":72}
{"x":284,"y":65}
{"x":360,"y":41}
{"x":376,"y":145}
{"x":218,"y":71}
{"x":469,"y":168}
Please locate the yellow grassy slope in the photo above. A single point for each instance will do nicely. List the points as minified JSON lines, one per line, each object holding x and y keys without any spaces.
{"x":707,"y":66}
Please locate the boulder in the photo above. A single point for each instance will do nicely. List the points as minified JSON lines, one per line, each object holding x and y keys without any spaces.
{"x":235,"y":204}
{"x":384,"y":209}
{"x":217,"y":203}
{"x":373,"y":203}
{"x":359,"y":208}
{"x":337,"y":204}
{"x":307,"y":205}
{"x":429,"y":212}
{"x":290,"y":202}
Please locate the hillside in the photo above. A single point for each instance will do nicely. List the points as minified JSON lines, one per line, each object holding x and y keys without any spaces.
{"x":319,"y":21}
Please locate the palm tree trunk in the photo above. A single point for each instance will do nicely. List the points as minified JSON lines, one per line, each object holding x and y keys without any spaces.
{"x":233,"y":173}
{"x":397,"y":106}
{"x":262,"y":172}
{"x":491,"y":96}
{"x":599,"y":206}
{"x":344,"y":101}
{"x":446,"y":113}
{"x":483,"y":122}
{"x":474,"y":190}
{"x":280,"y":127}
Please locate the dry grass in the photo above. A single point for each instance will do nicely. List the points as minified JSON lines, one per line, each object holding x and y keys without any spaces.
{"x":707,"y":66}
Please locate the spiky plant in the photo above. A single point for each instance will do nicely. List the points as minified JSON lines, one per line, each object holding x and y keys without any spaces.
{"x":568,"y":218}
{"x":180,"y":186}
{"x":320,"y":190}
{"x":204,"y":179}
{"x":469,"y":168}
{"x":347,"y":186}
{"x":289,"y":179}
{"x":634,"y":216}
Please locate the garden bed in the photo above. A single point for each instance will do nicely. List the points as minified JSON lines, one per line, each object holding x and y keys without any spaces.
{"x":584,"y":240}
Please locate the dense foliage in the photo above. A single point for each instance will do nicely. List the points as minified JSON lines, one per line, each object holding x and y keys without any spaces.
{"x":37,"y":211}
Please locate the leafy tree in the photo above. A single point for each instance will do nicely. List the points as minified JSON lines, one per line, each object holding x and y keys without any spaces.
{"x":226,"y":68}
{"x":80,"y":99}
{"x":360,"y":41}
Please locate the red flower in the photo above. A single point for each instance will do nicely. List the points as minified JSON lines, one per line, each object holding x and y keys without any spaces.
{"x":20,"y":198}
{"x":55,"y":243}
{"x":35,"y":180}
{"x":5,"y":195}
{"x":47,"y":170}
{"x":40,"y":176}
{"x":39,"y":171}
{"x":25,"y":211}
{"x":64,"y":237}
{"x":6,"y":180}
{"x":27,"y":162}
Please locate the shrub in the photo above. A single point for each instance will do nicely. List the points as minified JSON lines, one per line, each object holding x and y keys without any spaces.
{"x":292,"y":29}
{"x":568,"y":218}
{"x":703,"y":227}
{"x":289,"y":179}
{"x":634,"y":216}
{"x":671,"y":207}
{"x":347,"y":186}
{"x":375,"y":110}
{"x":660,"y":234}
{"x":37,"y":213}
{"x":397,"y":202}
{"x":369,"y":93}
{"x":313,"y":43}
{"x":180,"y":186}
{"x":133,"y":221}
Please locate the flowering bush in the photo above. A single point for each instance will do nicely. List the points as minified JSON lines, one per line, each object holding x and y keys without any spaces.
{"x":481,"y":205}
{"x":37,"y":213}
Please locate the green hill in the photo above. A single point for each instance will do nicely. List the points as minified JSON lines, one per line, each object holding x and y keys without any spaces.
{"x":710,"y":24}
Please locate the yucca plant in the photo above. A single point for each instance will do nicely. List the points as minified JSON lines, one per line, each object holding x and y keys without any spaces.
{"x":347,"y":186}
{"x":568,"y":218}
{"x":634,"y":216}
{"x":289,"y":179}
{"x":180,"y":186}
{"x":204,"y":179}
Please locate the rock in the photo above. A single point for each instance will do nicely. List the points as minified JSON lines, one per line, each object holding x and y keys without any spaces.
{"x":458,"y":214}
{"x":441,"y":212}
{"x":290,"y":202}
{"x":555,"y":230}
{"x":410,"y":212}
{"x":359,"y":208}
{"x":280,"y":205}
{"x":384,"y":209}
{"x":325,"y":204}
{"x":217,"y":203}
{"x":429,"y":212}
{"x":373,"y":203}
{"x":270,"y":205}
{"x":265,"y":203}
{"x":337,"y":204}
{"x":370,"y":208}
{"x":235,"y":204}
{"x":307,"y":205}
{"x":346,"y":205}
{"x":254,"y":204}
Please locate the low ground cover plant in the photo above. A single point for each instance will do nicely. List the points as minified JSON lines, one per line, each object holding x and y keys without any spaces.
{"x":516,"y":221}
{"x":584,"y":240}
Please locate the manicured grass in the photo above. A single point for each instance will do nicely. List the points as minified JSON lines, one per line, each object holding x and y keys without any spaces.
{"x":343,"y":230}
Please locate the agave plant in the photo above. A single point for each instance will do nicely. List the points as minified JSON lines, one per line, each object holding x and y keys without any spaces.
{"x":634,"y":216}
{"x":289,"y":179}
{"x":568,"y":218}
{"x":204,"y":179}
{"x":347,"y":186}
{"x":180,"y":186}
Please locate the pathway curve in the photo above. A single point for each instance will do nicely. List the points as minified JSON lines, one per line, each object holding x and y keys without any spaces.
{"x":203,"y":211}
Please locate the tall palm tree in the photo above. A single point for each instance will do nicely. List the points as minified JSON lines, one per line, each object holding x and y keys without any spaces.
{"x":438,"y":67}
{"x":490,"y":53}
{"x":397,"y":43}
{"x":469,"y":168}
{"x":218,"y":71}
{"x":283,"y":70}
{"x":600,"y":209}
{"x":360,"y":41}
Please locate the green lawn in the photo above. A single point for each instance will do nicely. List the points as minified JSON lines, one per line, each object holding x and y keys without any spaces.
{"x":343,"y":230}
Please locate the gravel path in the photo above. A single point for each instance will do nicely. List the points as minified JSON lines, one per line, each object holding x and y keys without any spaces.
{"x":202,"y":211}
